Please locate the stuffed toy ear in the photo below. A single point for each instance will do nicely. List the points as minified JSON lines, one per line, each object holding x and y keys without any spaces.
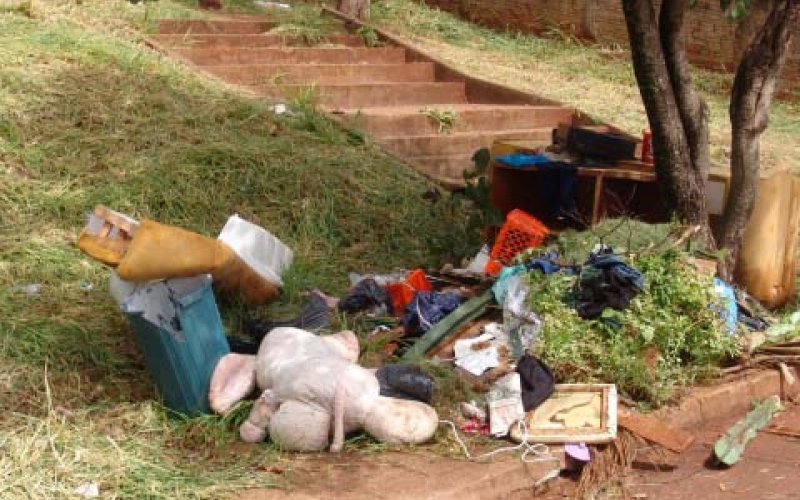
{"x":400,"y":421}
{"x":344,"y":343}
{"x":234,"y":378}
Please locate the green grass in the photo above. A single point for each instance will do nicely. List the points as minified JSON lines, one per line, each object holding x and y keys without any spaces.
{"x":88,"y":115}
{"x":596,"y":80}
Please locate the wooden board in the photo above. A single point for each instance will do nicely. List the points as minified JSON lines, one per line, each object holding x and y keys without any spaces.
{"x":654,"y":430}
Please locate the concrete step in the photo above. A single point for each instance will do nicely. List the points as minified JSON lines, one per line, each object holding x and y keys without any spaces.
{"x":377,"y":94}
{"x":414,"y":120}
{"x":258,"y":40}
{"x":458,"y":142}
{"x":324,"y":74}
{"x":292,"y":55}
{"x":219,"y":26}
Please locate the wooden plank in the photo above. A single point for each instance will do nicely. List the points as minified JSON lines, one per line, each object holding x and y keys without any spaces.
{"x":445,"y":349}
{"x":598,"y":197}
{"x":610,"y":172}
{"x":781,"y":430}
{"x":618,"y":173}
{"x":654,"y":430}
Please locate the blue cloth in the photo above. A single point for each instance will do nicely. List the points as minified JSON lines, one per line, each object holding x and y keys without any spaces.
{"x":520,"y":160}
{"x":620,"y":269}
{"x":545,"y":263}
{"x":558,"y":183}
{"x":730,"y":311}
{"x":606,"y":280}
{"x":427,"y":309}
{"x":558,"y":188}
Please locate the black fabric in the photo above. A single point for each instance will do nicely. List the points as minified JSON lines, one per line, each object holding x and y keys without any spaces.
{"x":242,"y":346}
{"x":558,"y":188}
{"x":366,"y":294}
{"x":750,"y":312}
{"x":314,"y":316}
{"x":405,"y":382}
{"x":606,"y":281}
{"x":536,"y":380}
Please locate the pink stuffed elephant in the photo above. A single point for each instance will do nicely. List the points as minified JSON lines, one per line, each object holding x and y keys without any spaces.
{"x":314,"y":393}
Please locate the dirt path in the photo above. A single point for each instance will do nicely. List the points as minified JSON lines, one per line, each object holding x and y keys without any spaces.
{"x":403,"y":475}
{"x":769,"y":470}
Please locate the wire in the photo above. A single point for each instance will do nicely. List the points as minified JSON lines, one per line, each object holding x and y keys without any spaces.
{"x":540,"y":451}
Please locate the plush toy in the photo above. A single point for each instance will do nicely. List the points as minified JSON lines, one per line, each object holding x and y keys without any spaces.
{"x":314,"y":393}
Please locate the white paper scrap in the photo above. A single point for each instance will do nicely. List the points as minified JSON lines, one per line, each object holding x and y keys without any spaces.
{"x":476,"y":361}
{"x":88,"y":490}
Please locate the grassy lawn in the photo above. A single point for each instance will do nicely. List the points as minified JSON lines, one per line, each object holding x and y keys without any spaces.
{"x":596,"y":80}
{"x":89,"y":115}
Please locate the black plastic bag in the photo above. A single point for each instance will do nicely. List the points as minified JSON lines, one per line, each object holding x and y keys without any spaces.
{"x":536,"y":380}
{"x":405,"y":382}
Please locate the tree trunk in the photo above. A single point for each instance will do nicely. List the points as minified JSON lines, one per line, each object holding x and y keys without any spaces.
{"x":358,"y":9}
{"x":753,"y":88}
{"x":693,"y":109}
{"x":210,"y":4}
{"x":678,"y":117}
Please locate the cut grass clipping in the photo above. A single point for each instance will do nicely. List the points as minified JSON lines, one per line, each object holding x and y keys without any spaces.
{"x":671,"y":336}
{"x":88,"y":115}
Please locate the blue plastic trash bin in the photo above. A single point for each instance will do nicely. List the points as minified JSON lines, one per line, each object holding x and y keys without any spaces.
{"x":179,"y":332}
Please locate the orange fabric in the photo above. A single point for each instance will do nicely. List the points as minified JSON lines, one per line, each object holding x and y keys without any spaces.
{"x":402,"y":293}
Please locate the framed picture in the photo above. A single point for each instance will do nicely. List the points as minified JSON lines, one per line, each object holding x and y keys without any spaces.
{"x":573,"y":413}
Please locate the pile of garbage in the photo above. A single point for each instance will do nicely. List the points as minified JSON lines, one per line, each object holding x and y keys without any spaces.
{"x":550,"y":347}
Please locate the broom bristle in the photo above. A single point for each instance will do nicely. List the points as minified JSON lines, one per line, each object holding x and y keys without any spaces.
{"x":609,"y":464}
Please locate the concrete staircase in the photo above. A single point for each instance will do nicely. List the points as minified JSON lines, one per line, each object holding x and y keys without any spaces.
{"x":413,"y":107}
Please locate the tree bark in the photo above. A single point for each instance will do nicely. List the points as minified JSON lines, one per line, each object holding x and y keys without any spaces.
{"x":358,"y":9}
{"x":693,"y":109}
{"x":753,"y":88}
{"x":677,"y":116}
{"x":210,"y":4}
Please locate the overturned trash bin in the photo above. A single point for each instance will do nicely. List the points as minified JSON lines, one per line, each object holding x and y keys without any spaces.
{"x":179,"y":332}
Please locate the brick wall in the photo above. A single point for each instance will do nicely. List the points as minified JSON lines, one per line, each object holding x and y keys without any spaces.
{"x":712,"y":42}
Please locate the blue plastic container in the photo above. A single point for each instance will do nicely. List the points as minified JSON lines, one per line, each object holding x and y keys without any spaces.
{"x":179,"y":331}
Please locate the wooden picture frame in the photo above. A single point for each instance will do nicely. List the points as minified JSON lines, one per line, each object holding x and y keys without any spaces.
{"x":574,"y":413}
